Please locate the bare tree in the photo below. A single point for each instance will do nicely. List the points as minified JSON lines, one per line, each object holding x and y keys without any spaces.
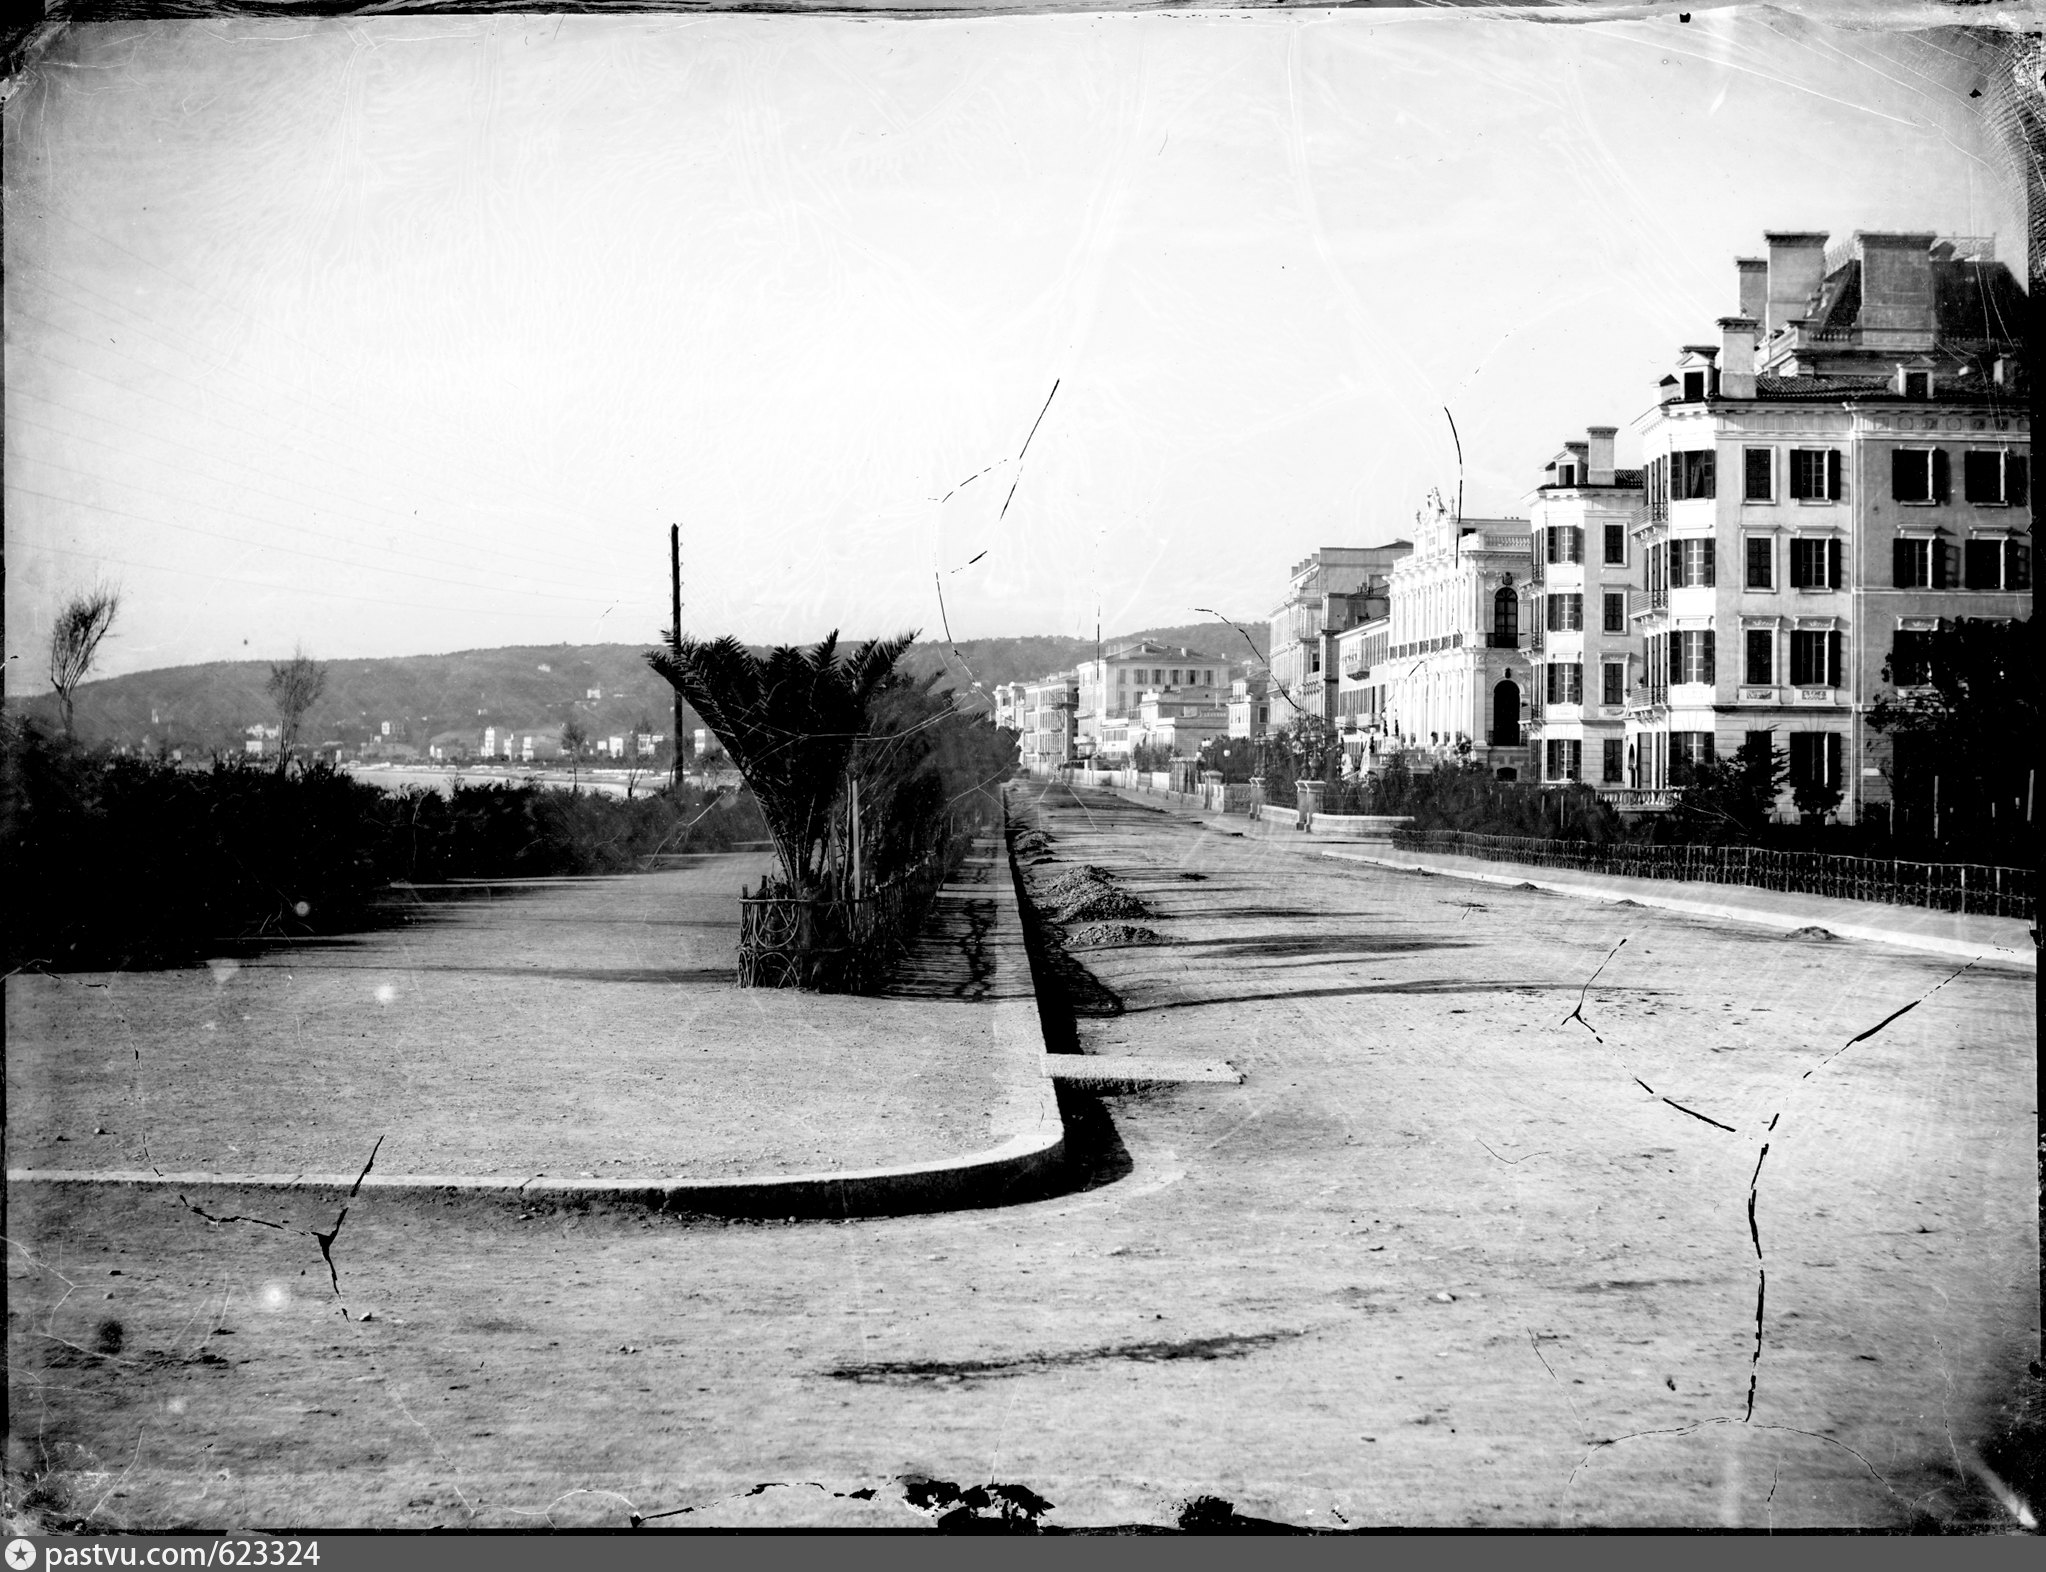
{"x":75,"y":640}
{"x":294,"y":688}
{"x":574,"y":737}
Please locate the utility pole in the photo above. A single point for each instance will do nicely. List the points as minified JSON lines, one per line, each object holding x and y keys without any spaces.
{"x":675,"y":609}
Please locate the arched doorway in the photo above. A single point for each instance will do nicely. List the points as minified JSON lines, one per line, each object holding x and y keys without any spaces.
{"x":1506,"y":714}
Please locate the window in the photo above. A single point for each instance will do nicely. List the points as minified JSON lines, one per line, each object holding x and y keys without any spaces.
{"x":1691,"y":564}
{"x":1815,"y":564}
{"x":1616,"y":544}
{"x":1815,"y":474}
{"x":1565,"y":761}
{"x":1691,"y":475}
{"x":1761,"y":562}
{"x":1688,"y":751}
{"x":1566,"y":475}
{"x":1505,"y":620}
{"x":1615,"y":619}
{"x":1691,"y":658}
{"x":1610,"y":766}
{"x":1918,"y":474}
{"x":1815,"y":758}
{"x":1694,"y":386}
{"x":1994,"y":477}
{"x":1761,"y":657}
{"x":1566,"y":613}
{"x":1919,"y":564}
{"x":1997,"y":564}
{"x":1565,"y":543}
{"x":1917,"y":384}
{"x":1814,"y":659}
{"x":1565,"y":682}
{"x":1207,"y":679}
{"x":1910,"y":658}
{"x":1758,"y":475}
{"x":1614,"y":680}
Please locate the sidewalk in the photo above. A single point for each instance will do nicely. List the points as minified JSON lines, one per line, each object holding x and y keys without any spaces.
{"x":560,"y":1037}
{"x":2003,"y":940}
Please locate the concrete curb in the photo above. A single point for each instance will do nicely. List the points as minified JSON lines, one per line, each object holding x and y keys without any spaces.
{"x":1017,"y":1169}
{"x":1786,"y":921}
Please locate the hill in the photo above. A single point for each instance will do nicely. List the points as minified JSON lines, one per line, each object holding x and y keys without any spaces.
{"x":201,"y":708}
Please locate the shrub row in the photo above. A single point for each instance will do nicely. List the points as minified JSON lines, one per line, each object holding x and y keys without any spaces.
{"x":127,"y":862}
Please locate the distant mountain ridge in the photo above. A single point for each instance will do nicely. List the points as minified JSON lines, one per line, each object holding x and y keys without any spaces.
{"x":528,"y":686}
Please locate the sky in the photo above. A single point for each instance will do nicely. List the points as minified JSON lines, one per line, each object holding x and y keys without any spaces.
{"x":394,"y":336}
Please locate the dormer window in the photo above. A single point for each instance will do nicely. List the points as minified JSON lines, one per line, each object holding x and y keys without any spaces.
{"x":1694,"y":386}
{"x":1914,"y":384}
{"x":1566,"y":474}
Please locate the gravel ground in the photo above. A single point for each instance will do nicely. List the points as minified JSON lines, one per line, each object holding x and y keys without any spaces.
{"x":544,"y":1026}
{"x":1442,"y":1259}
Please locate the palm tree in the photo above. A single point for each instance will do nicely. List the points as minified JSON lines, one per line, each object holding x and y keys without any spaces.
{"x":789,"y":720}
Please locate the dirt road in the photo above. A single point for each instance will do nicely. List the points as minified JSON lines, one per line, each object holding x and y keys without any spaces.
{"x":1470,"y":1245}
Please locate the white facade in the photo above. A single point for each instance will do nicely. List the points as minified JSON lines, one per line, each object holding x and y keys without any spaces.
{"x":1456,"y":681}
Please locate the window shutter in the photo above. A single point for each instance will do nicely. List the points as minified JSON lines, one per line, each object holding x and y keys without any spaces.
{"x":1833,"y":474}
{"x":1800,"y":565}
{"x":2017,"y":565}
{"x":1900,"y":563}
{"x":1902,"y":485}
{"x":2016,"y":468}
{"x":1939,"y":564}
{"x":1833,"y":643}
{"x":1708,"y":659}
{"x":1576,"y":544}
{"x":1709,"y":574}
{"x":1832,"y":775}
{"x":1833,"y":563}
{"x":1939,"y":475}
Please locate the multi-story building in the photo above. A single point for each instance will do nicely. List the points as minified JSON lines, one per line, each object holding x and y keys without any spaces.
{"x":1585,"y":648}
{"x":1846,"y":468}
{"x":1008,"y":702}
{"x":1111,"y":688}
{"x":1455,"y":671}
{"x":1326,"y":593}
{"x":1250,"y":706}
{"x":1178,"y":723}
{"x":1044,"y":717}
{"x":1361,"y":685}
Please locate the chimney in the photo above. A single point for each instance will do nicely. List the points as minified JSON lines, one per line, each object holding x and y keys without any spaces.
{"x":1896,"y":282}
{"x":1754,"y":275}
{"x":1599,"y":454}
{"x":1797,"y":266}
{"x":1737,"y":357}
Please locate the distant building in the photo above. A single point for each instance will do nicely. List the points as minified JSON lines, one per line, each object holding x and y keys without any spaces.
{"x":260,"y":741}
{"x":1455,"y":676}
{"x":1250,"y":706}
{"x":1333,"y":589}
{"x":1045,"y":720}
{"x":1109,"y":690}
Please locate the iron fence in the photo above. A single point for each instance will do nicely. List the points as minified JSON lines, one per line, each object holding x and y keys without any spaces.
{"x":837,"y":946}
{"x":1981,"y":889}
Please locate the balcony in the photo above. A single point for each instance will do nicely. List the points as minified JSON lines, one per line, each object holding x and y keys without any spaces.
{"x":1496,"y":640}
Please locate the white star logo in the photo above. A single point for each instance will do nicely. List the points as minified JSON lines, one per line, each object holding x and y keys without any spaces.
{"x":21,"y":1555}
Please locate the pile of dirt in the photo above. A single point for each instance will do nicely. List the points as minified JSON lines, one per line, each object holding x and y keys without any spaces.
{"x":1103,"y":933}
{"x":1029,"y":843}
{"x":1103,"y":901}
{"x":1810,"y":933}
{"x":1074,"y":882}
